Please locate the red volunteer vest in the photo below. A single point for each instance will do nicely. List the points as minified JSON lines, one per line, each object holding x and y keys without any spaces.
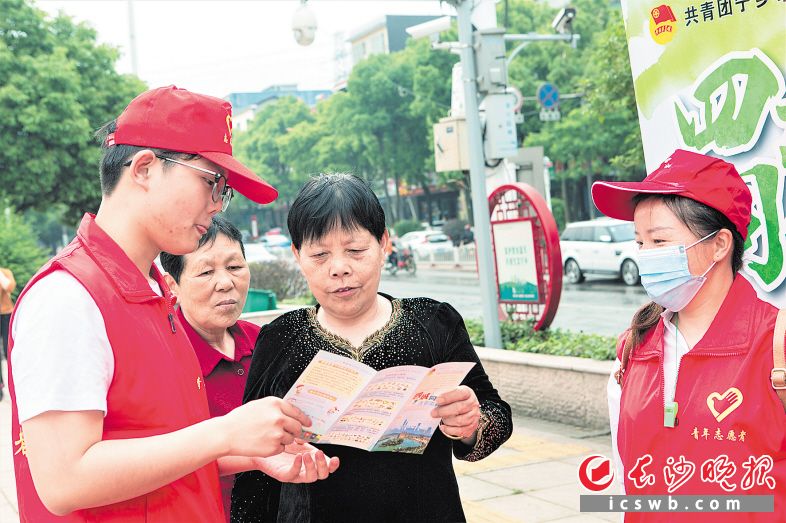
{"x":731,"y":432}
{"x":157,"y":386}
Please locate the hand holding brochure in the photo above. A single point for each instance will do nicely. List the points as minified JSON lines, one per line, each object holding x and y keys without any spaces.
{"x":351,"y":404}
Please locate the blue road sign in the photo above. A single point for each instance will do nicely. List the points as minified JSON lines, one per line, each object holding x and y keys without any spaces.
{"x":548,"y":96}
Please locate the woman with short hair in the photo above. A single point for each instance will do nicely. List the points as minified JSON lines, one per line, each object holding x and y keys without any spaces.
{"x":211,"y":285}
{"x":338,"y":237}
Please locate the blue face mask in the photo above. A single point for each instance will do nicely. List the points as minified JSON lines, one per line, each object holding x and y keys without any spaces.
{"x":666,"y":278}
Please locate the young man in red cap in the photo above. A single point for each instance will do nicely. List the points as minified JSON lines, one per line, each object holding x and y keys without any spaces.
{"x":109,"y":415}
{"x":693,"y":405}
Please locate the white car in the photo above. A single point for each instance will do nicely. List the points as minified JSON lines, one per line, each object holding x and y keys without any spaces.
{"x":275,"y":240}
{"x":413,"y":237}
{"x":603,"y":246}
{"x":256,"y":252}
{"x":424,"y":243}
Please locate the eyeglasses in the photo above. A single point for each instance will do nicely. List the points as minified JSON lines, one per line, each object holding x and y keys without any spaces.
{"x":220,"y":190}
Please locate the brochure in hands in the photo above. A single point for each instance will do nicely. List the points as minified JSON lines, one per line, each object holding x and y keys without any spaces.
{"x":351,"y":404}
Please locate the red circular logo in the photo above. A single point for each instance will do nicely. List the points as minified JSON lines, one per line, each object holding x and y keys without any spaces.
{"x":596,"y":473}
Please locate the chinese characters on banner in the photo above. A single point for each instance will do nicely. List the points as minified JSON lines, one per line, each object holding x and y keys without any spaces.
{"x":711,"y":77}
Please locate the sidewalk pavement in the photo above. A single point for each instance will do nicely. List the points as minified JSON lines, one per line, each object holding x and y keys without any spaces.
{"x":533,"y":478}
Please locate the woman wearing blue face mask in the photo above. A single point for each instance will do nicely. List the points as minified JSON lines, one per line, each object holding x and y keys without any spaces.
{"x":693,"y":410}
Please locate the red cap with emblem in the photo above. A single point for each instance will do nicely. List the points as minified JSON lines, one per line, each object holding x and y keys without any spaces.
{"x":179,"y":120}
{"x":699,"y":177}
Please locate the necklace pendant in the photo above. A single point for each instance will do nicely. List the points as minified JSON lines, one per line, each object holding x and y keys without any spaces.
{"x":670,"y":414}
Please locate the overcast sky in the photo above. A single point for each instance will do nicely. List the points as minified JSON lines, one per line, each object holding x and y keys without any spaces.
{"x":222,"y":46}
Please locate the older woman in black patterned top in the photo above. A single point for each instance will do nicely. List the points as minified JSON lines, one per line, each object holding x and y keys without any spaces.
{"x":338,"y":238}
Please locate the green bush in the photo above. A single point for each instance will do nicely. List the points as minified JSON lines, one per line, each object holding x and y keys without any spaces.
{"x":19,"y":250}
{"x":521,"y":337}
{"x":404,"y":226}
{"x":281,"y":276}
{"x":558,"y":210}
{"x":475,"y":330}
{"x":306,"y":299}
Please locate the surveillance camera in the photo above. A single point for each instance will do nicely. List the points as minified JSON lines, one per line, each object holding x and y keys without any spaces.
{"x":304,"y":25}
{"x":563,"y":22}
{"x":430,"y":28}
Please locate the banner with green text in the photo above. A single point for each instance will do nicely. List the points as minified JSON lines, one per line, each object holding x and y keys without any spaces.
{"x":710,"y":76}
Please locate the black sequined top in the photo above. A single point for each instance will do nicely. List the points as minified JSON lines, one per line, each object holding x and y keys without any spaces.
{"x":371,"y":486}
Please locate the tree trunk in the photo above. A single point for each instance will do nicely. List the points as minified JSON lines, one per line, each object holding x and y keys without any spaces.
{"x":588,"y":194}
{"x":466,"y":193}
{"x":565,"y":195}
{"x":577,"y":193}
{"x":391,"y":214}
{"x":397,"y":181}
{"x":427,"y":196}
{"x":413,"y":212}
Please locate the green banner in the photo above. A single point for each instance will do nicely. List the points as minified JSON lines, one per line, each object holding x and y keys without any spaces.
{"x":710,"y":77}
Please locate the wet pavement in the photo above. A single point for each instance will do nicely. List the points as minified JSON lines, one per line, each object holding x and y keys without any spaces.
{"x":598,"y":306}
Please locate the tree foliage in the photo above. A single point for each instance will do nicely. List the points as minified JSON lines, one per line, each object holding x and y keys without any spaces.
{"x":19,"y":249}
{"x":381,"y":126}
{"x":260,"y":147}
{"x":599,"y":136}
{"x":58,"y":86}
{"x":610,"y":97}
{"x":51,"y":227}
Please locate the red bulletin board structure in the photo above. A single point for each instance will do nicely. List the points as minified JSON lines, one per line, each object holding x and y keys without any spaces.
{"x":520,"y":206}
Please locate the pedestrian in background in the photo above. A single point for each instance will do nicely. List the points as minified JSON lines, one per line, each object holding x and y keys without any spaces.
{"x":110,"y":419}
{"x":693,"y":394}
{"x":7,"y":286}
{"x":467,"y":236}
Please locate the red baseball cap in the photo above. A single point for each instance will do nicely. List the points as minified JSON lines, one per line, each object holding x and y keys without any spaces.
{"x":179,"y":120}
{"x":708,"y":180}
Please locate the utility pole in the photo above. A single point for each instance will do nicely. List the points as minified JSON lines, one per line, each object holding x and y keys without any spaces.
{"x":483,"y":72}
{"x":132,"y":38}
{"x":477,"y":174}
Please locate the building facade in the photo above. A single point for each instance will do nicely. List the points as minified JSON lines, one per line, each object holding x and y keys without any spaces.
{"x":386,"y":34}
{"x":245,"y":105}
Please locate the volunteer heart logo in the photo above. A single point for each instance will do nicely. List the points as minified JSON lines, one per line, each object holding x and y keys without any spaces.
{"x":723,"y":404}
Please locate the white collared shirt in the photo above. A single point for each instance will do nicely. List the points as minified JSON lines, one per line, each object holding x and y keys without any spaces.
{"x":62,"y":359}
{"x":674,"y":348}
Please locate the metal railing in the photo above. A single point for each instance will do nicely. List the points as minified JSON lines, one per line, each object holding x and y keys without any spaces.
{"x":462,"y":257}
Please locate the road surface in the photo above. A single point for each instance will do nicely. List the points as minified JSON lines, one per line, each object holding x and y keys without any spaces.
{"x":599,"y":306}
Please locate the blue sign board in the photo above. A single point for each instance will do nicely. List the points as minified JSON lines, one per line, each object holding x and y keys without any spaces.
{"x":548,"y":96}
